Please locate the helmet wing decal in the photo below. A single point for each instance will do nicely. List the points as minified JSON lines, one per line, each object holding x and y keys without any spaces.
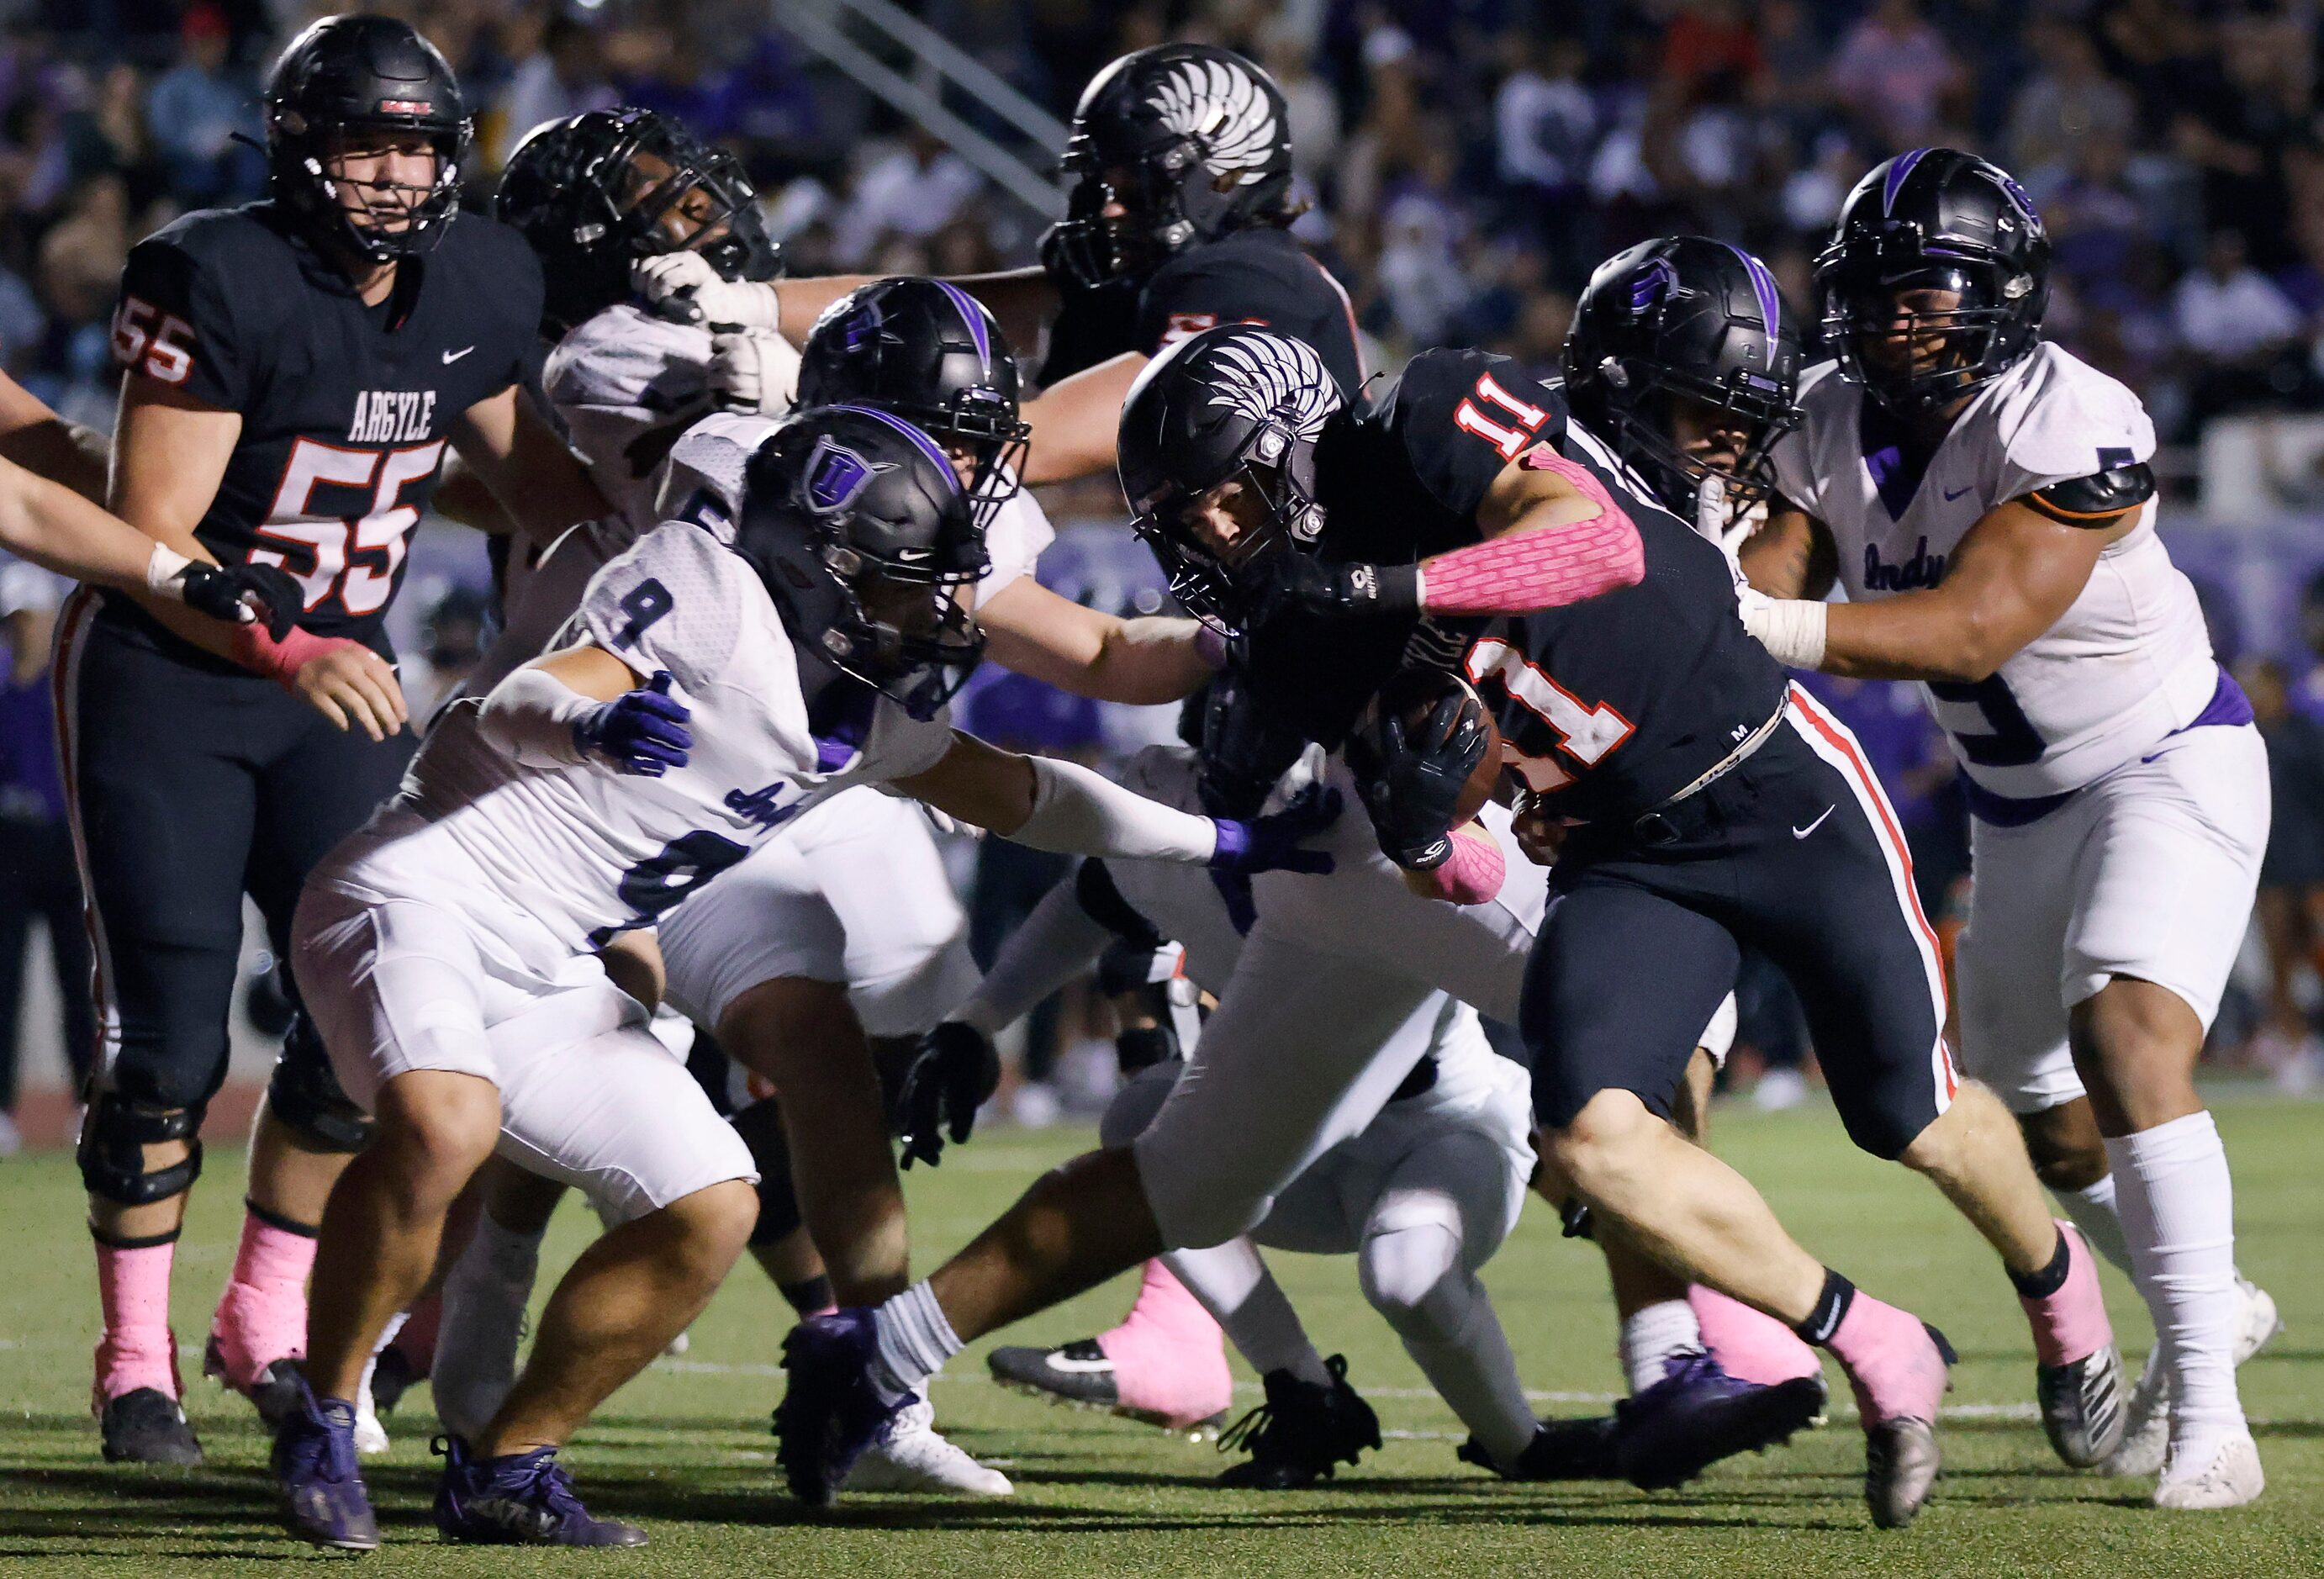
{"x":1223,"y":107}
{"x":1275,"y":377}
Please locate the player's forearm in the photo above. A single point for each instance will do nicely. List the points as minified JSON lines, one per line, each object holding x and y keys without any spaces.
{"x":1060,"y":807}
{"x":1918,"y":636}
{"x":1057,"y":942}
{"x":64,"y":452}
{"x":1076,"y":422}
{"x":801,"y":301}
{"x":535,"y":717}
{"x":56,"y":528}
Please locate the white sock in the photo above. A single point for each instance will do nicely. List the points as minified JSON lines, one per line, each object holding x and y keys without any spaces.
{"x":914,"y":1340}
{"x":484,"y":1297}
{"x":1233,"y":1284}
{"x":387,"y":1335}
{"x":2094,"y":1212}
{"x":2178,"y":1213}
{"x":1652,"y":1337}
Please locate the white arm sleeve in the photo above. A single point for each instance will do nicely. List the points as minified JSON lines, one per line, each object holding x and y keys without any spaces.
{"x":1054,"y":944}
{"x":531,"y":716}
{"x":1078,"y":812}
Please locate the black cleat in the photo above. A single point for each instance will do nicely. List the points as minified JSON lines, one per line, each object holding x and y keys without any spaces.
{"x":391,"y":1379}
{"x":145,"y":1426}
{"x":275,"y":1393}
{"x":1300,"y":1433}
{"x":1580,"y":1448}
{"x":1076,"y":1373}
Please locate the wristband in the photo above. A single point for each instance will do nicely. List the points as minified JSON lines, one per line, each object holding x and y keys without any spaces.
{"x":163,"y":569}
{"x":280,"y":662}
{"x":1792,"y":629}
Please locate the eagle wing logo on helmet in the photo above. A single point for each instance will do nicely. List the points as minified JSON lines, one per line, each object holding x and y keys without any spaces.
{"x":836,"y":477}
{"x":1276,"y":377}
{"x":1223,"y":107}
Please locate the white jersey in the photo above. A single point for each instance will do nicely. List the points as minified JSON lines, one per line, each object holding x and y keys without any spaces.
{"x":2127,"y":664}
{"x":703,"y":482}
{"x":625,"y":385}
{"x":579,"y":853}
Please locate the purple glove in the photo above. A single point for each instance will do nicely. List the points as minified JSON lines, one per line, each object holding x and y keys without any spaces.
{"x":1271,"y":843}
{"x":641,"y":732}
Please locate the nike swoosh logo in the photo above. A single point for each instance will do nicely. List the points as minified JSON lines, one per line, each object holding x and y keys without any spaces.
{"x":452,"y":356}
{"x":1078,"y":1367}
{"x":1804,"y":833}
{"x":1953,"y":493}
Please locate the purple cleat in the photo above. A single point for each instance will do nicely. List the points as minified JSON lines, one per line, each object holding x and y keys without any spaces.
{"x":520,"y":1499}
{"x":314,"y":1459}
{"x":830,"y":1411}
{"x":1697,"y":1415}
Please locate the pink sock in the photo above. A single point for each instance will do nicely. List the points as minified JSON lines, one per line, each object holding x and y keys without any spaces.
{"x":1748,"y":1345}
{"x":1894,"y":1366}
{"x":137,"y":1348}
{"x":1169,"y":1357}
{"x":261,"y":1317}
{"x":2071,"y":1323}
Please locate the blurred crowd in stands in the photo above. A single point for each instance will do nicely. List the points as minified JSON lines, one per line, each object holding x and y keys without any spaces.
{"x":1467,"y":163}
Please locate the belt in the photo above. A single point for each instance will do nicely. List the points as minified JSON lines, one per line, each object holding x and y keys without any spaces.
{"x":1653,"y":827}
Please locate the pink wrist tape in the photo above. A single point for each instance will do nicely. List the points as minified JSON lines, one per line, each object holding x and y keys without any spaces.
{"x":280,"y":662}
{"x":1547,"y":567}
{"x":1474,"y":873}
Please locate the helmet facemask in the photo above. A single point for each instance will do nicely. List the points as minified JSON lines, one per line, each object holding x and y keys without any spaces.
{"x":386,"y":220}
{"x":903,"y":630}
{"x":1970,"y":324}
{"x":673,"y":194}
{"x":1647,"y":406}
{"x":1218,"y":587}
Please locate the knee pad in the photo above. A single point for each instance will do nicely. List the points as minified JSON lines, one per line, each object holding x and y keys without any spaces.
{"x":112,"y":1149}
{"x":760,"y":1126}
{"x":304,"y":1093}
{"x":1413,"y":1278}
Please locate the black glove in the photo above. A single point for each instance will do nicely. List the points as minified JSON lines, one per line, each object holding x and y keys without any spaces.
{"x":1412,"y":783}
{"x":949,"y":1078}
{"x":1339,"y":592}
{"x":232,"y":593}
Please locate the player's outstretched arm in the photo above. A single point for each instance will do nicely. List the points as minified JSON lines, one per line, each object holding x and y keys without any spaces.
{"x":1076,"y":421}
{"x":1047,"y":804}
{"x":1032,"y":631}
{"x":539,"y":482}
{"x":683,"y":288}
{"x":1792,"y":556}
{"x":1552,"y":534}
{"x":2015,"y":575}
{"x":36,"y":438}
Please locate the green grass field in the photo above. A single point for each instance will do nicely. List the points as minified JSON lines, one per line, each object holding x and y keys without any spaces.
{"x":684,"y":1450}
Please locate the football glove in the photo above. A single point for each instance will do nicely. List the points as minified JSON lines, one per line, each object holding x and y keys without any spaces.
{"x":950,"y":1076}
{"x":1412,"y":783}
{"x":641,"y":732}
{"x":1339,"y":592}
{"x":265,"y":595}
{"x":1272,"y":843}
{"x":685,"y":288}
{"x":752,"y":371}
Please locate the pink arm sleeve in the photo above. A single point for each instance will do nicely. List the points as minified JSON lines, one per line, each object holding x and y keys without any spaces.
{"x":1545,"y":567}
{"x":1474,"y":873}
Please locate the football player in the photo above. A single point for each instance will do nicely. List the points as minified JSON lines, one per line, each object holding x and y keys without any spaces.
{"x":295,"y":371}
{"x":1988,"y":501}
{"x":1178,"y":219}
{"x":704,"y":696}
{"x":1462,"y":493}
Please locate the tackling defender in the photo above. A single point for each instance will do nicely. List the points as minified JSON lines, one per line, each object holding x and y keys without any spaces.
{"x":708,"y":695}
{"x":1987,"y":501}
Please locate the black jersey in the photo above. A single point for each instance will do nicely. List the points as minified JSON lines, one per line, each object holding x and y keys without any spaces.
{"x":1609,"y":705}
{"x":1260,"y":275}
{"x":346,"y":408}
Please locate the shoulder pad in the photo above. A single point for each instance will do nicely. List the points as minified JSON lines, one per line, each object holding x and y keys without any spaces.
{"x":2100,"y":499}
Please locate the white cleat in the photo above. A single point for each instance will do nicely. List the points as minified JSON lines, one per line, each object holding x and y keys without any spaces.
{"x":2146,"y":1437}
{"x":911,"y":1457}
{"x":2232,"y":1478}
{"x":678,"y":1346}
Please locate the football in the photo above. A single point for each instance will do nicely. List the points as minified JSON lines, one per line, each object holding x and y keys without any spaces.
{"x":1413,"y":695}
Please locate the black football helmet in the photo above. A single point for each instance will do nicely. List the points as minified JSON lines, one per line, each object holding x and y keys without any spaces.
{"x":929,"y":352}
{"x":865,"y":540}
{"x":1684,"y":316}
{"x":594,"y":193}
{"x":1933,"y":219}
{"x":1199,"y":141}
{"x":1240,"y":400}
{"x":346,"y":77}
